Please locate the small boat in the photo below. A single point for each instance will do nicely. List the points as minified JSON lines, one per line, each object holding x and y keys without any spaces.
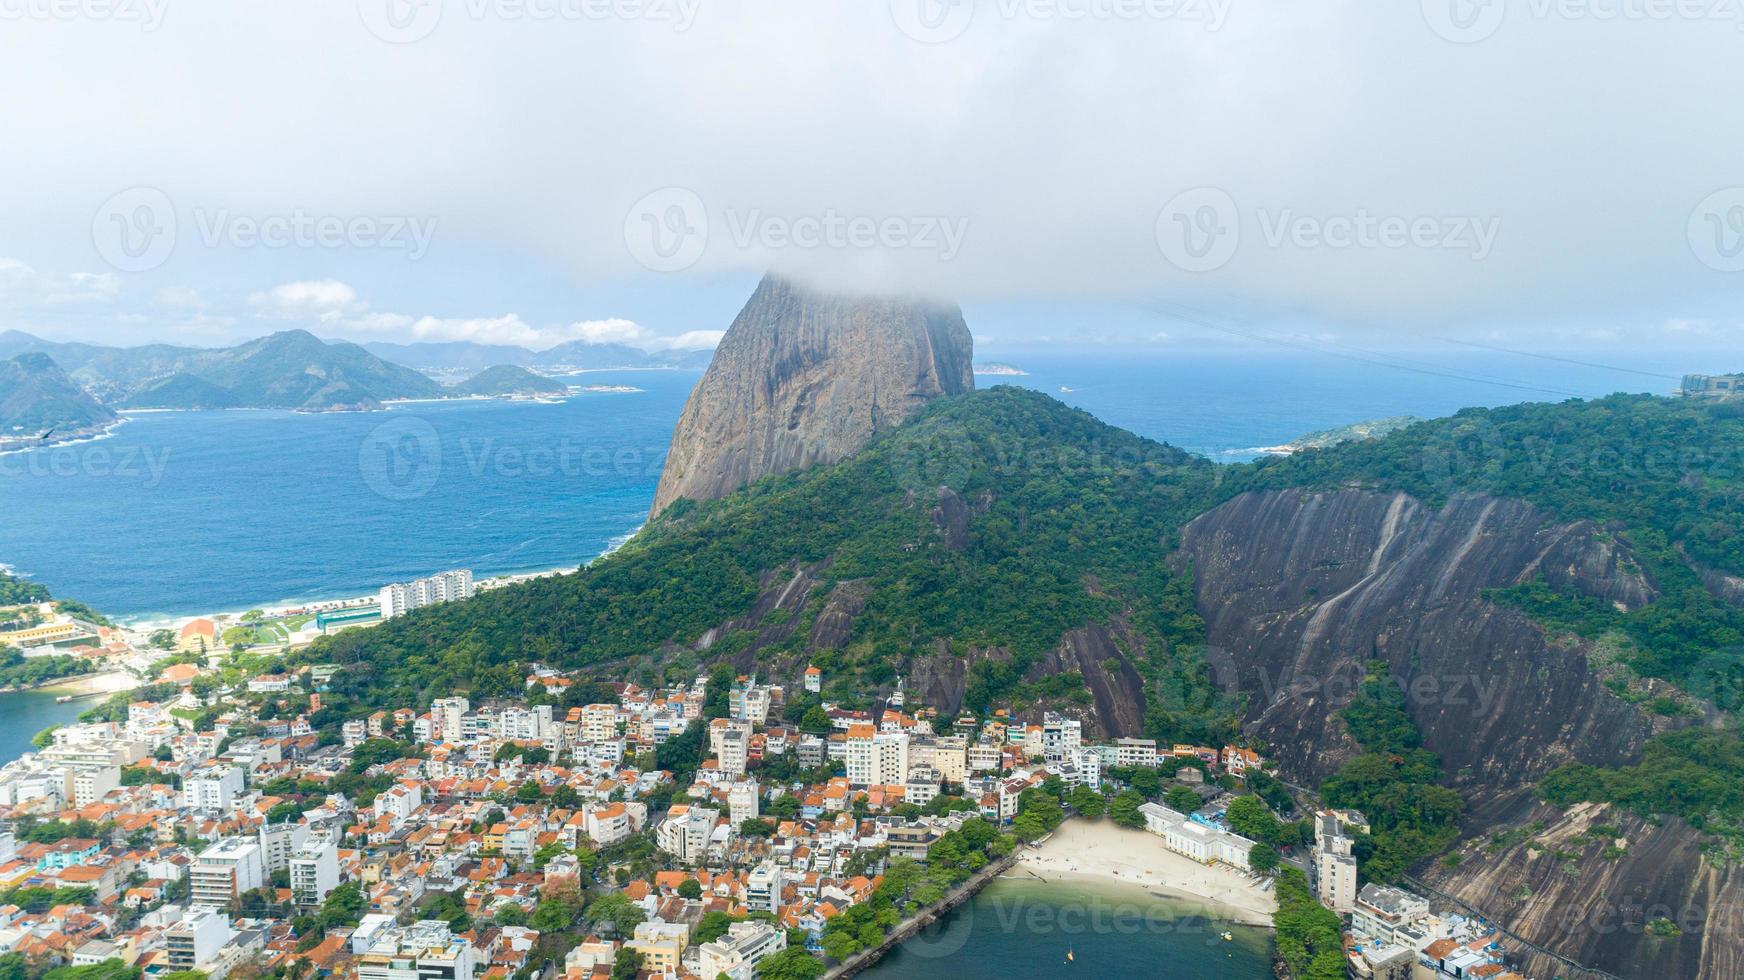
{"x":1228,"y":938}
{"x":1068,"y":956}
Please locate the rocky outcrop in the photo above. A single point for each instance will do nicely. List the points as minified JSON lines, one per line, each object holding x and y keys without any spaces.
{"x":803,"y":378}
{"x":1606,"y":889}
{"x":1300,"y":589}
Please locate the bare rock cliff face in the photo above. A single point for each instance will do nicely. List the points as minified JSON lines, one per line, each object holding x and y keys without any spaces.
{"x":803,"y":378}
{"x":1300,"y":589}
{"x":1588,"y":884}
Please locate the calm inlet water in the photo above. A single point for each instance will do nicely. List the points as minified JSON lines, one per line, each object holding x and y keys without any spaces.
{"x":1023,"y":930}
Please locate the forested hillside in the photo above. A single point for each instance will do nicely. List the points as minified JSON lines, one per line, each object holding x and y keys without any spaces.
{"x":1053,"y":521}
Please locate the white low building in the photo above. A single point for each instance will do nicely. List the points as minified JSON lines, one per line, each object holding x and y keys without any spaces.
{"x":1202,"y":843}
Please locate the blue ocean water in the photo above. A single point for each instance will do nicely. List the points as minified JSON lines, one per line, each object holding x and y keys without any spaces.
{"x":180,"y":513}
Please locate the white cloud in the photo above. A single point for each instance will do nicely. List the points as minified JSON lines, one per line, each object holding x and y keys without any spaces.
{"x":22,"y":286}
{"x":324,"y":301}
{"x":689,"y":340}
{"x":1589,"y":141}
{"x":613,"y":331}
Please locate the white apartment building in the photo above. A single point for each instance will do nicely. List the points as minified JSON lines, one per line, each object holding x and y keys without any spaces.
{"x":91,"y":785}
{"x":445,"y":716}
{"x":196,"y":940}
{"x":212,"y":790}
{"x":734,"y":754}
{"x":278,"y":841}
{"x":1335,"y":874}
{"x":1135,"y":752}
{"x":763,"y":888}
{"x":599,"y":723}
{"x":402,"y":597}
{"x":608,"y":823}
{"x":685,"y":832}
{"x":743,"y":803}
{"x":424,"y":950}
{"x":1061,"y":736}
{"x":314,"y":872}
{"x":226,"y":870}
{"x":876,"y":758}
{"x":922,"y":786}
{"x":737,"y":953}
{"x":983,"y":757}
{"x":1383,"y":912}
{"x":400,"y":802}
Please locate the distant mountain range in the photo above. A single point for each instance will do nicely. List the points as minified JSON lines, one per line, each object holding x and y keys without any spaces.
{"x":68,"y":389}
{"x":573,"y":356}
{"x":292,"y":369}
{"x":38,"y":401}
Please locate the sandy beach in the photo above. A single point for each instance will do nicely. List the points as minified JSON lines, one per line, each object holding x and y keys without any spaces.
{"x":1098,"y":850}
{"x":108,"y":682}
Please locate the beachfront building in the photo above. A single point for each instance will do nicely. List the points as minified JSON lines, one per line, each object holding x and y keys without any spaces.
{"x":1199,"y":841}
{"x":400,"y":598}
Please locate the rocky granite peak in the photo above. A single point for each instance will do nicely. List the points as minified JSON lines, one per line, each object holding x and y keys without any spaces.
{"x":804,"y":377}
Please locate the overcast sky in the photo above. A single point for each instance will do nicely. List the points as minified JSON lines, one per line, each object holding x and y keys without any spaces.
{"x":1136,"y":172}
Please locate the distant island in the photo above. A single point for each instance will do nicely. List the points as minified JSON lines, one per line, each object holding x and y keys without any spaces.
{"x":1000,"y":370}
{"x":1355,"y":432}
{"x":508,"y":379}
